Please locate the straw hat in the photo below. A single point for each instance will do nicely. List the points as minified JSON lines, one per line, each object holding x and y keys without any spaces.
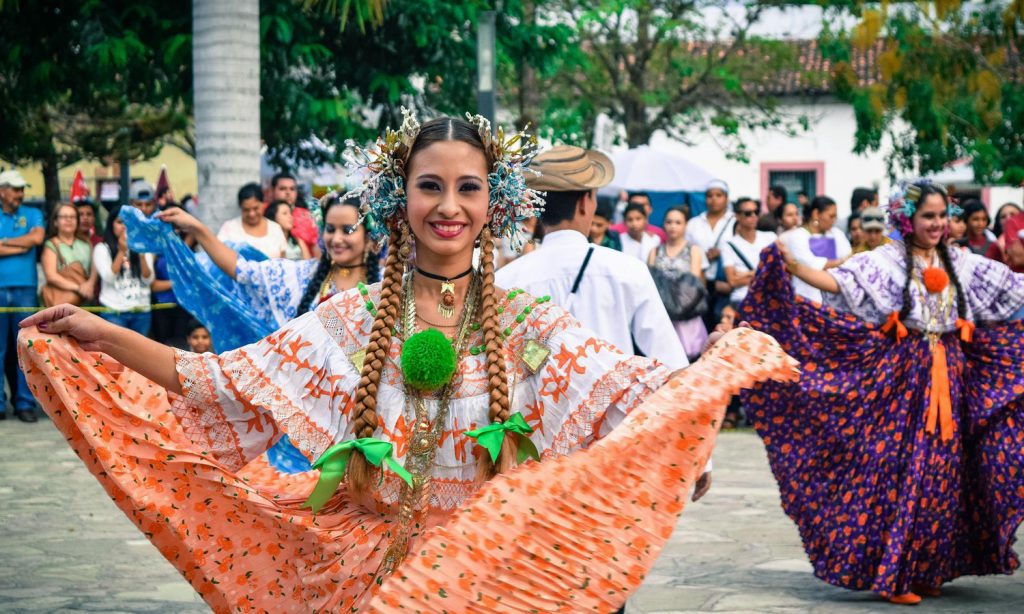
{"x":565,"y":168}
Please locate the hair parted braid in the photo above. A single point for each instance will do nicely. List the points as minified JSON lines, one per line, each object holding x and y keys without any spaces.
{"x":961,"y":298}
{"x":372,"y":266}
{"x":364,"y":421}
{"x":905,"y":310}
{"x":497,"y":382}
{"x":323,"y":268}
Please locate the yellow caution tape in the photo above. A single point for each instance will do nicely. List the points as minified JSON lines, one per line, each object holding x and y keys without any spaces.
{"x":95,"y":309}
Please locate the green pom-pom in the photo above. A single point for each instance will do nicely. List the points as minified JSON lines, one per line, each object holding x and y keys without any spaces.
{"x":428,"y":360}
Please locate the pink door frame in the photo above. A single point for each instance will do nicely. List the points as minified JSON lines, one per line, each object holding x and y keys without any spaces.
{"x":768,"y":167}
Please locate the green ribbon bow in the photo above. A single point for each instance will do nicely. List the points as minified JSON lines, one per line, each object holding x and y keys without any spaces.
{"x":332,"y":465}
{"x":492,"y":435}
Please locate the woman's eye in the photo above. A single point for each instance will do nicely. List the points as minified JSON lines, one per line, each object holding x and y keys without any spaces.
{"x":469,"y":187}
{"x":428,"y":186}
{"x":329,"y":229}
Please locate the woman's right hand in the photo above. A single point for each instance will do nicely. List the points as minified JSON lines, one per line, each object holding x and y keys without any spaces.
{"x":87,"y":328}
{"x":86,"y":290}
{"x":180,"y":219}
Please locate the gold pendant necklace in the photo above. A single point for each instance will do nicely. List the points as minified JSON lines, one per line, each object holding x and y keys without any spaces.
{"x":446,"y":306}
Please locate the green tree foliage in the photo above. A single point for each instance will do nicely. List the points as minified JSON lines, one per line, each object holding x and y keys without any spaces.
{"x":339,"y":79}
{"x":667,"y":65}
{"x":91,"y":79}
{"x":336,"y":79}
{"x":950,"y":84}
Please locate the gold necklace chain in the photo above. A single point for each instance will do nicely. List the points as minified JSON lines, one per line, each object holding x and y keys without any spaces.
{"x":435,"y":324}
{"x":934,"y":319}
{"x":426,"y":433}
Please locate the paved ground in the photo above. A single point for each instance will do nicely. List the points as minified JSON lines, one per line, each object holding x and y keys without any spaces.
{"x":64,"y":547}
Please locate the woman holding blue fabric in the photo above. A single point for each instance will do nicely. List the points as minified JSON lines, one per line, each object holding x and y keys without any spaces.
{"x":293,"y":287}
{"x":412,"y":395}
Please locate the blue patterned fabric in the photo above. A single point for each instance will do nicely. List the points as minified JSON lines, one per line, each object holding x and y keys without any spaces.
{"x":236,"y":314}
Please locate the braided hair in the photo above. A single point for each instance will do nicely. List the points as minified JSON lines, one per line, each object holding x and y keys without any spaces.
{"x":928,"y":189}
{"x":364,"y":417}
{"x":497,"y":381}
{"x":323,"y":267}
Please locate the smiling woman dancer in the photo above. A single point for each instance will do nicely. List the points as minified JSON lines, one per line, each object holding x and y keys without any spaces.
{"x":412,"y":393}
{"x":898,"y":454}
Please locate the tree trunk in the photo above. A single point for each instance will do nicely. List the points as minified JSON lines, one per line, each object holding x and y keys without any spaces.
{"x":226,"y":65}
{"x":638,"y":130}
{"x":51,"y":180}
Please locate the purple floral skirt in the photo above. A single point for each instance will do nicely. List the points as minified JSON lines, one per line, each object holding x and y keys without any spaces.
{"x":882,"y":504}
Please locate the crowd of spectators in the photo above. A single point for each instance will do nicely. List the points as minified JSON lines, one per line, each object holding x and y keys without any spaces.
{"x":79,"y":253}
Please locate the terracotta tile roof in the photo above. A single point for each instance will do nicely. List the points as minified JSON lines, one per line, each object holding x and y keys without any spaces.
{"x":812,"y":75}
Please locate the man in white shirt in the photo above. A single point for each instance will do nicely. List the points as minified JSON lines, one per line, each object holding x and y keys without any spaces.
{"x":709,"y":231}
{"x":742,"y":252}
{"x":607,"y":291}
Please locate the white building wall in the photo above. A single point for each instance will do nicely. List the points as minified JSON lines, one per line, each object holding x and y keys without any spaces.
{"x":828,"y":143}
{"x":997,"y":196}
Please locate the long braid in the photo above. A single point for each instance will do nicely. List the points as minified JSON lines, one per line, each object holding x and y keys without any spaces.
{"x":497,"y":382}
{"x":364,"y":421}
{"x":961,"y":298}
{"x":905,"y":310}
{"x":323,"y":269}
{"x":372,"y":266}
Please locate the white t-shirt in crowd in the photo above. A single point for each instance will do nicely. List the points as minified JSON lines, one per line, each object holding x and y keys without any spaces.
{"x":706,"y":236}
{"x":121,"y":292}
{"x":274,"y":244}
{"x":750,"y":251}
{"x":639,"y":249}
{"x":798,"y":242}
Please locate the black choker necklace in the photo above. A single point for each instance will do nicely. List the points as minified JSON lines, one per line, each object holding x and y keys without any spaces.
{"x":446,"y":306}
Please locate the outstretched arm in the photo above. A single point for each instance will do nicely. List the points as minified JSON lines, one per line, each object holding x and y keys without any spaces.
{"x":223,"y":256}
{"x":822,"y":280}
{"x":152,"y":360}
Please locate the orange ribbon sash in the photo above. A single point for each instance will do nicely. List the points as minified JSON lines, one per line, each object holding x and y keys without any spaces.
{"x":940,"y":402}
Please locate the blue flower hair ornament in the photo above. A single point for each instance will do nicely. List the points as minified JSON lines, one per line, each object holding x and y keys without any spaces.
{"x":904,"y":202}
{"x":384,"y":199}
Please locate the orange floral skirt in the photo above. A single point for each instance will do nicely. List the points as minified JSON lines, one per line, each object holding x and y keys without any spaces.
{"x":571,"y":534}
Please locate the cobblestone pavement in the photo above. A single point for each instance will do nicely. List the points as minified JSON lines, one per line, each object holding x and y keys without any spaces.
{"x":65,"y":547}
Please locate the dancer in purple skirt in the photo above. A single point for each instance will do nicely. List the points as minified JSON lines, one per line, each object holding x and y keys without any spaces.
{"x":900,"y":453}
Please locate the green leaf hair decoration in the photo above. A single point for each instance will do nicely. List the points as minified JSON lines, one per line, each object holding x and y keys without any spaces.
{"x":428,"y":360}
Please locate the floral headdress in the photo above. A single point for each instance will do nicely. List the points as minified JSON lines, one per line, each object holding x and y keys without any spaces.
{"x":383,"y":194}
{"x":904,"y":202}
